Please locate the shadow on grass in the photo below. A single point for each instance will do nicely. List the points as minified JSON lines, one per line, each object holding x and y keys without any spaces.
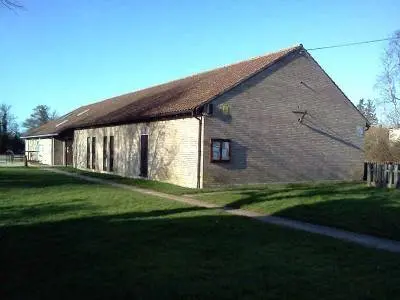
{"x":196,"y":254}
{"x":27,"y":212}
{"x":377,"y":213}
{"x":295,"y":190}
{"x":185,"y":252}
{"x":33,"y":178}
{"x":348,"y":206}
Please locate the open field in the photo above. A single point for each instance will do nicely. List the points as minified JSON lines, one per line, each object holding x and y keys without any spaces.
{"x":65,"y":238}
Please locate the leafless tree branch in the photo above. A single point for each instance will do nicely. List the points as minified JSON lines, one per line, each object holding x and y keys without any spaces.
{"x":389,"y":80}
{"x":10,"y":4}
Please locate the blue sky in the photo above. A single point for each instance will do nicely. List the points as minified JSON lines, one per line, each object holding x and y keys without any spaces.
{"x":70,"y":53}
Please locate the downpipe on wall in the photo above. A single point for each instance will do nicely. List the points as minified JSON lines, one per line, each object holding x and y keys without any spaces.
{"x":200,"y":119}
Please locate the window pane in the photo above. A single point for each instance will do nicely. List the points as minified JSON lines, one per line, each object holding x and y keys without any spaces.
{"x":216,"y":150}
{"x":225,"y":151}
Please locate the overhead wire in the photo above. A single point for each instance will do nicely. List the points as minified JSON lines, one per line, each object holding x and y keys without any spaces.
{"x":353,"y":44}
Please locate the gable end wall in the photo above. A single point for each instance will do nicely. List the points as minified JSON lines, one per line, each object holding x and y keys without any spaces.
{"x":268,"y":142}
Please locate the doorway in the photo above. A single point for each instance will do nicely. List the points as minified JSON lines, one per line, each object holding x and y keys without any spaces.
{"x":144,"y":155}
{"x":68,"y":153}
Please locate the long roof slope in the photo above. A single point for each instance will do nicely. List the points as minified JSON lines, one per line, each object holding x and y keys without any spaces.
{"x":172,"y":98}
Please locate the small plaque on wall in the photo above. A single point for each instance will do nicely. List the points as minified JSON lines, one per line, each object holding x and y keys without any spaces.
{"x":360,"y":131}
{"x":225,"y":109}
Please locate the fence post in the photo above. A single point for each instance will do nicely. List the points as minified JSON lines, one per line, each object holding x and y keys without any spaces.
{"x":381,"y":176}
{"x":25,"y":161}
{"x":385,"y":168}
{"x":389,"y":175}
{"x":375,"y":174}
{"x":369,"y":173}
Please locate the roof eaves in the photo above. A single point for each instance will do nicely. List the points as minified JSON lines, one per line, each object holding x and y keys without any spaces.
{"x":38,"y":135}
{"x":153,"y":118}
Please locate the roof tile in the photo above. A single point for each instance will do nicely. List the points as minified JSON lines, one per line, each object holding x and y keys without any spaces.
{"x":170,"y":98}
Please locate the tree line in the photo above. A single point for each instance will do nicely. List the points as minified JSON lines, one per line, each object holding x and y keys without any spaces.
{"x":10,"y":133}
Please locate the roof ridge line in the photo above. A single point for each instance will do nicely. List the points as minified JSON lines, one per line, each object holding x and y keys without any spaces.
{"x":259,"y":56}
{"x":232,"y":64}
{"x":200,"y":73}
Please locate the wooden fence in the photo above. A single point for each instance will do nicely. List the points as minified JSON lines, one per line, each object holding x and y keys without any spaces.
{"x":382,"y":174}
{"x":12,"y":160}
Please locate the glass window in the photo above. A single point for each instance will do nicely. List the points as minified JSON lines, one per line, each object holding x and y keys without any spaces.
{"x":225,"y":151}
{"x":220,"y":150}
{"x":216,"y":149}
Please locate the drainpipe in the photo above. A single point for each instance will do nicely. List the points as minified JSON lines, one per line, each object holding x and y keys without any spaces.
{"x":64,"y":147}
{"x":199,"y":151}
{"x":52,"y":151}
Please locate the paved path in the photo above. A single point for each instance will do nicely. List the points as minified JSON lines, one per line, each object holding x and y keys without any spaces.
{"x":361,"y":239}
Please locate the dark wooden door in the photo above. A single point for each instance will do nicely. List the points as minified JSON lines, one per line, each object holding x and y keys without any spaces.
{"x":111,"y":151}
{"x":68,"y":153}
{"x":144,"y":155}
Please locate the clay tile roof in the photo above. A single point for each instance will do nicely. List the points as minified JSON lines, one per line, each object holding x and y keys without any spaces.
{"x":173,"y":98}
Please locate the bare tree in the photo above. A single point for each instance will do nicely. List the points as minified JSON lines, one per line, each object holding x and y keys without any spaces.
{"x":10,"y":4}
{"x":389,"y":80}
{"x":377,"y":146}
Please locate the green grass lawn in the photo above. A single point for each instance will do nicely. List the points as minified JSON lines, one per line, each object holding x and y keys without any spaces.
{"x":157,"y":185}
{"x":352,"y":206}
{"x":140,"y":183}
{"x":347,"y":205}
{"x":62,"y":238}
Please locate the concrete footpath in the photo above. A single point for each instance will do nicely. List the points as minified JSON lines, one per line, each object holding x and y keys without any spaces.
{"x":361,"y":239}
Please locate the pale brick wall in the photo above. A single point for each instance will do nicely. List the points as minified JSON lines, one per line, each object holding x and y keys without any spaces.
{"x":268,"y":142}
{"x":173,"y":147}
{"x":44,"y":146}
